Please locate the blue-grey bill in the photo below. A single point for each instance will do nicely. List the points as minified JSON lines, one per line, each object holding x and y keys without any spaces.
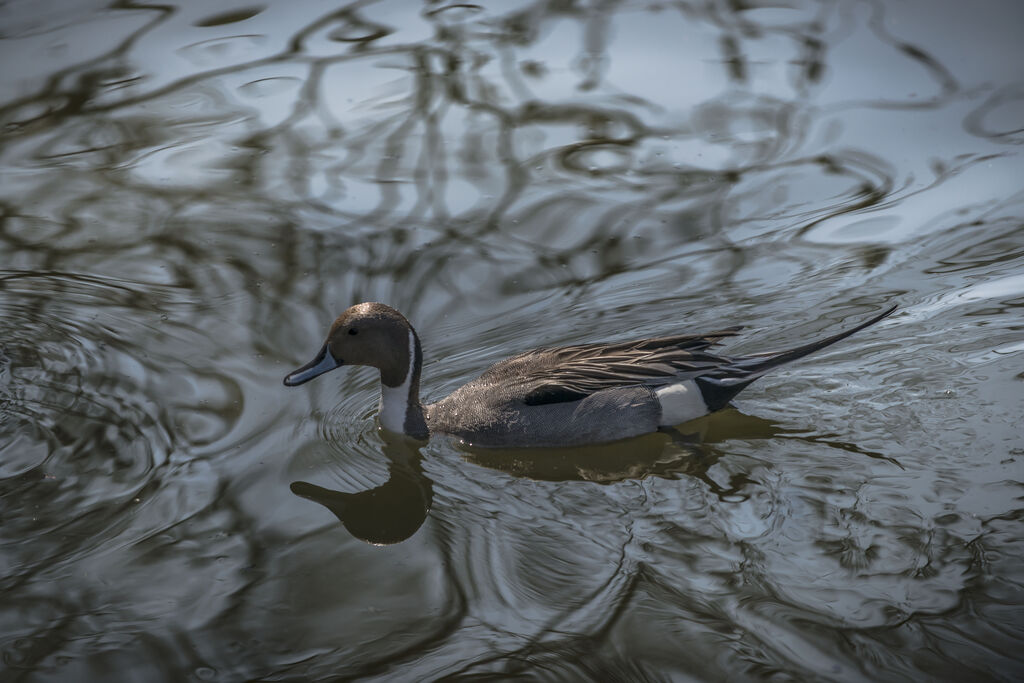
{"x":323,"y":362}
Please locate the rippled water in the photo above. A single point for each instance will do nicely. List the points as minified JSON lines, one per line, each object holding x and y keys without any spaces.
{"x":190,"y":192}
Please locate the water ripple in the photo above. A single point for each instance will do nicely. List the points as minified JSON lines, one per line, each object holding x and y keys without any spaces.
{"x":189,"y":195}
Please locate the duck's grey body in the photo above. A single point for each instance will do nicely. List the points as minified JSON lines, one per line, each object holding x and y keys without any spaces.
{"x":576,"y":395}
{"x":480,"y":415}
{"x":568,"y":396}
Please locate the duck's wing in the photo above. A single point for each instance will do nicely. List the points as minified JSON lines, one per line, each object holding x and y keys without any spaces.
{"x":572,"y":373}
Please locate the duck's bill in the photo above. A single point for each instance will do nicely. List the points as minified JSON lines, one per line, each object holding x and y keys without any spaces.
{"x":324,"y":362}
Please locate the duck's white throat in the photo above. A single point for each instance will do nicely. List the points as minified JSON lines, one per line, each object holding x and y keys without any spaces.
{"x":394,"y":401}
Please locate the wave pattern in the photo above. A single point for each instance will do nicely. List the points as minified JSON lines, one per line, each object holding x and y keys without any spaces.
{"x":189,"y":194}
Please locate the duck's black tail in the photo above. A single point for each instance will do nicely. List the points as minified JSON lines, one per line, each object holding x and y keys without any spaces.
{"x":718,"y":388}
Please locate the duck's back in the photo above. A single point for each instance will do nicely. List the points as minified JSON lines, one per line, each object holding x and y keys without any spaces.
{"x":568,"y":396}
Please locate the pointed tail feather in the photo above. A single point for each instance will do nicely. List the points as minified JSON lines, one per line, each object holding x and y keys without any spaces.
{"x":720,"y":388}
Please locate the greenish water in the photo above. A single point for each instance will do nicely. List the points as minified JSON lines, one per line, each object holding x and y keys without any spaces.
{"x":190,"y":192}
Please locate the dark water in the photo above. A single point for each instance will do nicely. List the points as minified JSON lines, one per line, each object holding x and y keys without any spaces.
{"x":190,"y":192}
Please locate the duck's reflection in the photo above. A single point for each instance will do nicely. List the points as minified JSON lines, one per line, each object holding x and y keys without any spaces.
{"x":395,"y":510}
{"x":389,"y":513}
{"x":691,"y":450}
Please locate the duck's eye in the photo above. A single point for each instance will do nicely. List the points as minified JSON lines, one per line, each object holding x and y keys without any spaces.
{"x":353,"y":330}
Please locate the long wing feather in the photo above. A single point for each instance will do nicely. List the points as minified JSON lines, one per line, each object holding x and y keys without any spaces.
{"x":572,"y":373}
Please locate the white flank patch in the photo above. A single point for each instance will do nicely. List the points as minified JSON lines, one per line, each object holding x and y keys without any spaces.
{"x":680,"y":403}
{"x":394,"y":401}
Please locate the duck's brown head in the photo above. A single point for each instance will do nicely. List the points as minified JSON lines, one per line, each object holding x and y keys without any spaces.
{"x":366,"y":334}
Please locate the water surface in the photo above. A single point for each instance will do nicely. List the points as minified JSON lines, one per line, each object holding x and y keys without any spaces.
{"x":189,"y":193}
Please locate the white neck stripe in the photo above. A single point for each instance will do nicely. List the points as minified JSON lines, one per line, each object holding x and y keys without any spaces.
{"x":394,"y":401}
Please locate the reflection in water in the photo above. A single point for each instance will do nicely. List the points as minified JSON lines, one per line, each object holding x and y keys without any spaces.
{"x":178,"y":179}
{"x":395,"y":510}
{"x":388,"y":513}
{"x":692,"y":451}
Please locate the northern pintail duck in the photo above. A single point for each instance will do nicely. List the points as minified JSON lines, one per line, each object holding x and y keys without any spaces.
{"x":568,"y":396}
